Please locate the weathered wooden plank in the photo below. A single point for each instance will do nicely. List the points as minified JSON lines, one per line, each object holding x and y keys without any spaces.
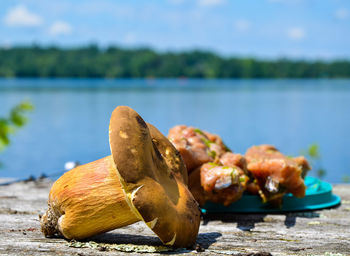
{"x":325,"y":232}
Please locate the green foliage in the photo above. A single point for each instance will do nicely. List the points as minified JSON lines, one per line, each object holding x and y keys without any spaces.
{"x":313,"y":151}
{"x":314,"y":156}
{"x":113,"y":62}
{"x":15,"y":120}
{"x":346,"y":179}
{"x":321,"y":173}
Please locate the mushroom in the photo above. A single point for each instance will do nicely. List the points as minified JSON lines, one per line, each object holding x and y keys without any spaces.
{"x":143,"y":180}
{"x":276,"y":174}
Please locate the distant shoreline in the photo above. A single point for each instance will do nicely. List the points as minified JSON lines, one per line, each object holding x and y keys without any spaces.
{"x":169,"y":84}
{"x":114,"y":62}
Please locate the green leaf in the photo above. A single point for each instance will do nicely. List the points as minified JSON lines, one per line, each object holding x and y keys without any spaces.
{"x":25,"y":106}
{"x":4,"y":141}
{"x":17,"y":113}
{"x":321,"y":173}
{"x":5,"y":130}
{"x":313,"y":151}
{"x":4,"y":124}
{"x":199,"y":131}
{"x":346,"y":179}
{"x":212,"y":153}
{"x":17,"y":118}
{"x":227,"y":148}
{"x":242,"y":179}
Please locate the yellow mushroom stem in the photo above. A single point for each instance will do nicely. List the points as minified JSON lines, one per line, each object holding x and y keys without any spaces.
{"x":86,"y":201}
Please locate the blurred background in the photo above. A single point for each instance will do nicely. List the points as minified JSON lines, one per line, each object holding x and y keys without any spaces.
{"x":254,"y":72}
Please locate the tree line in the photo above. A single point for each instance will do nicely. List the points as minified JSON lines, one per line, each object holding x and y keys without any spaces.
{"x":115,"y":62}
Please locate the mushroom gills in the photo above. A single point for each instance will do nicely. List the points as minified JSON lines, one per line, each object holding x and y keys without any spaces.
{"x":154,"y":179}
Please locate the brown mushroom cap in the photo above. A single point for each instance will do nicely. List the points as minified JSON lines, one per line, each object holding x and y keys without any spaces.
{"x":154,"y":178}
{"x":171,"y":155}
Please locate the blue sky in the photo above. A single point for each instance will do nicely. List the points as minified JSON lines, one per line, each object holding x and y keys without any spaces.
{"x":310,"y":29}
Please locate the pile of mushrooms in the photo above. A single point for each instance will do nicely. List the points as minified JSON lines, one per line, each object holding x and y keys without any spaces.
{"x":218,"y":175}
{"x":144,"y":179}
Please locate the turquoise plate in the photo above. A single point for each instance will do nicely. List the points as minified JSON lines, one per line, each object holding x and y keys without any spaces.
{"x":318,"y":196}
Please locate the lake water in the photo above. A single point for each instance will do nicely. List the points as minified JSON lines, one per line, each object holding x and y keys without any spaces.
{"x":71,"y":117}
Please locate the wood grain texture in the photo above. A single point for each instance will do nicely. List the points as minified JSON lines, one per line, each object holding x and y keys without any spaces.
{"x":325,"y":232}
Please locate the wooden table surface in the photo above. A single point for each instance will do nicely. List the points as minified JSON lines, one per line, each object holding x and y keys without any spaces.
{"x":324,"y":232}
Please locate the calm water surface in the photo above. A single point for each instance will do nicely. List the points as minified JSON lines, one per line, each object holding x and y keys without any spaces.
{"x":71,"y":117}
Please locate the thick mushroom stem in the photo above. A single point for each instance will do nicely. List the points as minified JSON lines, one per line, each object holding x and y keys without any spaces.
{"x":86,"y":201}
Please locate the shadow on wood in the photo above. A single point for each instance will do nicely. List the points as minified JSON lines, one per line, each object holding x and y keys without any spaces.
{"x":115,"y":238}
{"x":207,"y":239}
{"x":204,"y":239}
{"x":246,"y":222}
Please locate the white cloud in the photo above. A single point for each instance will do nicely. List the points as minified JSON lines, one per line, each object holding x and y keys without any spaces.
{"x":60,"y":28}
{"x":342,"y":13}
{"x":208,"y":3}
{"x":296,"y":33}
{"x":20,"y":16}
{"x":242,"y":25}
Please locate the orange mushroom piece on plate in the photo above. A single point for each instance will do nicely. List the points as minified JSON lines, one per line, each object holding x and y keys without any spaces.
{"x":276,"y":174}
